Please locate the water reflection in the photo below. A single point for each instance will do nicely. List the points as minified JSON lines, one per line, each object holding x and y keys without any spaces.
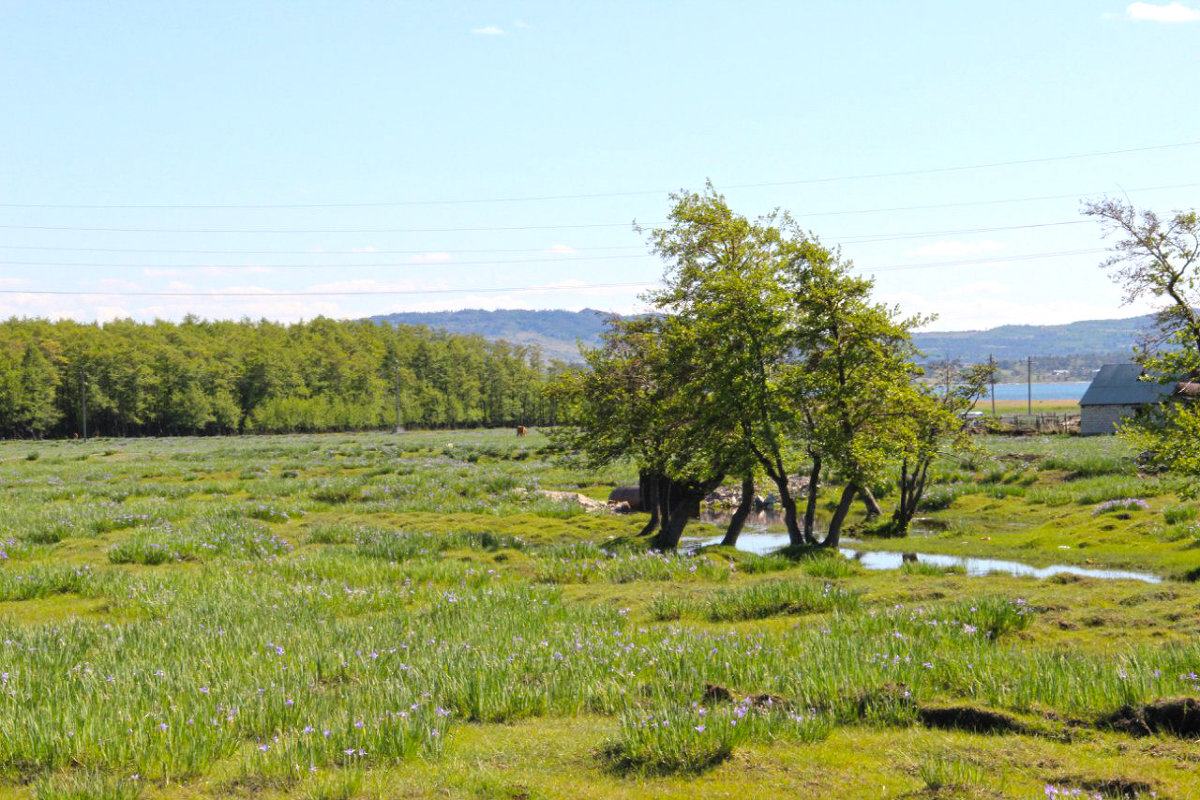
{"x":763,"y":543}
{"x":758,"y":520}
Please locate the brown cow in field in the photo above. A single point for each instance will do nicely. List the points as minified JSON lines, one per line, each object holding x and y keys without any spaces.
{"x":520,"y":430}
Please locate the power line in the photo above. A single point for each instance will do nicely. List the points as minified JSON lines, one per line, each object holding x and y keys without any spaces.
{"x":483,"y":290}
{"x":364,"y":292}
{"x":894,"y":237}
{"x":440,"y":264}
{"x":862,"y":238}
{"x":359,"y":252}
{"x":487,"y":229}
{"x":446,"y":264}
{"x":987,"y":260}
{"x":601,"y":195}
{"x":321,"y":231}
{"x":988,"y":202}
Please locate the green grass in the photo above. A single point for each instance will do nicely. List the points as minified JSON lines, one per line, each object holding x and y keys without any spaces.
{"x":760,"y":600}
{"x":373,"y":616}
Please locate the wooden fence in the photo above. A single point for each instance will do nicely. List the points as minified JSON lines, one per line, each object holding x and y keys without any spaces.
{"x":1032,"y":423}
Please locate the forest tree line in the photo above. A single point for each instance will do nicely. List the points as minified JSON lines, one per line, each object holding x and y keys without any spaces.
{"x":202,"y":377}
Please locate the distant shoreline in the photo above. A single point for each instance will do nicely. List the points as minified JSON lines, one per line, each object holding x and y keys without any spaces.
{"x":1061,"y":392}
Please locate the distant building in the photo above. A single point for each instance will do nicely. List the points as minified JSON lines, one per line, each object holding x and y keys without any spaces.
{"x":1118,"y":392}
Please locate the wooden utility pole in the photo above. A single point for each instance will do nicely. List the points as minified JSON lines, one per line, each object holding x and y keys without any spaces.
{"x":1029,"y":384}
{"x":992,"y":381}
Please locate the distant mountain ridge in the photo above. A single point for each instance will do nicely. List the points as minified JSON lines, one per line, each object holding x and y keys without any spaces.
{"x":559,"y":332}
{"x":556,"y":332}
{"x":1009,"y":342}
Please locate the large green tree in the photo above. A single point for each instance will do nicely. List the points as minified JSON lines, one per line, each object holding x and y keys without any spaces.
{"x":630,"y":403}
{"x":34,"y":409}
{"x":937,"y":423}
{"x":855,"y":392}
{"x":731,"y":284}
{"x":1158,"y":258}
{"x":794,"y":359}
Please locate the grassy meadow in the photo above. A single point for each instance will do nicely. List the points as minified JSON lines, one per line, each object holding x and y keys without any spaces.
{"x":378,"y":616}
{"x":1021,"y":406}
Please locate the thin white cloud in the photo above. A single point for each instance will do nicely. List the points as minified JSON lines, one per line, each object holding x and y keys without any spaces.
{"x":372,"y":285}
{"x":109,"y":313}
{"x":951,"y":249}
{"x":243,"y":290}
{"x":1168,"y":12}
{"x":148,"y":309}
{"x":561,"y":249}
{"x":116,"y":285}
{"x":982,"y":291}
{"x":980,"y":306}
{"x":432,"y":258}
{"x":522,"y":24}
{"x":224,"y":271}
{"x":489,"y":30}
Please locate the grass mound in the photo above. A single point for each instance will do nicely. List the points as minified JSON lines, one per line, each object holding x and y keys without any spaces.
{"x":1115,"y":788}
{"x":1179,"y":716}
{"x":970,"y":719}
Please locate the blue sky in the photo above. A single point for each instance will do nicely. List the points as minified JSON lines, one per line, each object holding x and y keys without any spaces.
{"x":356,"y":158}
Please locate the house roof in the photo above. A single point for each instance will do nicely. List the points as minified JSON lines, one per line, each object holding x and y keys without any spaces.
{"x":1120,"y":385}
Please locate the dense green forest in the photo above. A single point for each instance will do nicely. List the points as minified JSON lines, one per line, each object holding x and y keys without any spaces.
{"x":205,"y":377}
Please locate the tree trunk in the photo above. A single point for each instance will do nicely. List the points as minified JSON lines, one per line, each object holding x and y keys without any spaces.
{"x":648,"y":497}
{"x":912,"y":489}
{"x":664,"y":487}
{"x":810,"y":507}
{"x":672,"y":527}
{"x":778,"y":474}
{"x":739,"y":516}
{"x":795,"y":535}
{"x":872,"y":505}
{"x":834,"y":534}
{"x":684,"y":503}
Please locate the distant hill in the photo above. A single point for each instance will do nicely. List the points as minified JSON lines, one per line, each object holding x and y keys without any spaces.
{"x":1010,"y":342}
{"x":557,"y":332}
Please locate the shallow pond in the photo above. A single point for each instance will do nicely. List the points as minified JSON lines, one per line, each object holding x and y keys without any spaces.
{"x":761,"y":520}
{"x":763,"y":543}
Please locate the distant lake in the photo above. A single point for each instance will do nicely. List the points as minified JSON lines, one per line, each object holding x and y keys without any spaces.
{"x":1065,"y":390}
